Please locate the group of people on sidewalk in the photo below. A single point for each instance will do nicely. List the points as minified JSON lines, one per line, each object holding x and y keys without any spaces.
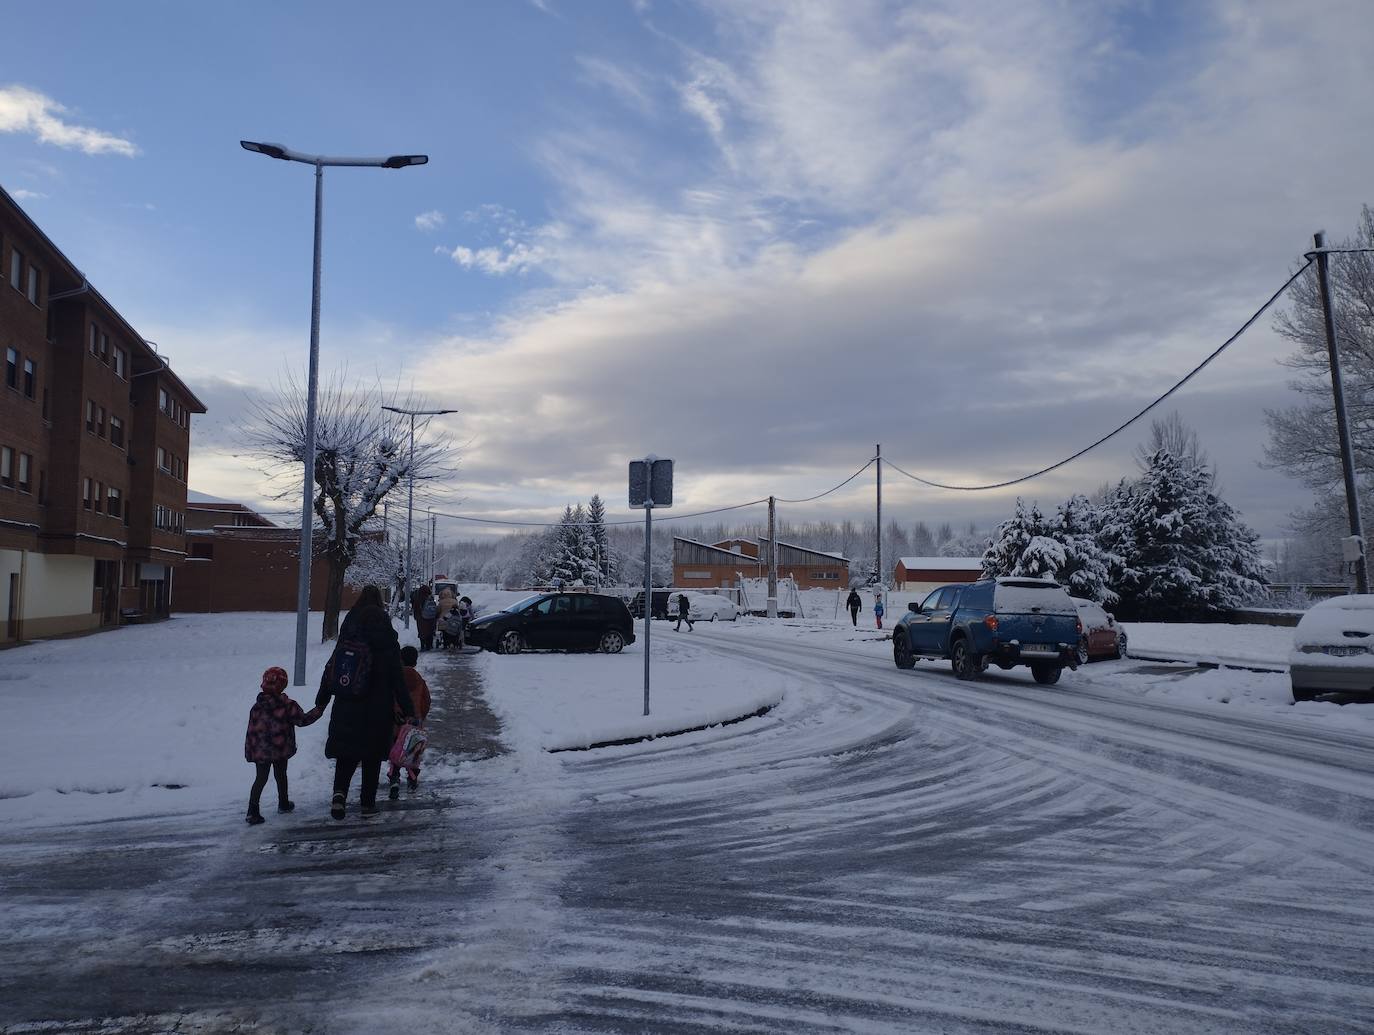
{"x":854,"y":604}
{"x":444,"y":614}
{"x":377,"y":695}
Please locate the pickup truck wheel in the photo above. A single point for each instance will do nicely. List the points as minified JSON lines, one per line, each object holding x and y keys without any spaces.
{"x":1120,"y":646}
{"x":1082,"y":650}
{"x":966,"y":664}
{"x":901,"y":651}
{"x":1046,"y":674}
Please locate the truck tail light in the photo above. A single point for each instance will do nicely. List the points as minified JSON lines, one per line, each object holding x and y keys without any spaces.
{"x":991,"y":622}
{"x":1079,"y":627}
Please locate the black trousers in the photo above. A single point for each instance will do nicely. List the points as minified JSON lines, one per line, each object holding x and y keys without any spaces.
{"x":854,"y":616}
{"x":278,"y":769}
{"x":343,"y":776}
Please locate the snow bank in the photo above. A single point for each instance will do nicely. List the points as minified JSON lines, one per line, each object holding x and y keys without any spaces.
{"x":1263,"y":645}
{"x":559,"y":701}
{"x":147,"y":718}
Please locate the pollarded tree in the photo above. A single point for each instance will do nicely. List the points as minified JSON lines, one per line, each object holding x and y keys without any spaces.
{"x":362,"y":453}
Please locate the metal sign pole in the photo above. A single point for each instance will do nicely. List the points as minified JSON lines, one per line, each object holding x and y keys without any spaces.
{"x":648,"y":590}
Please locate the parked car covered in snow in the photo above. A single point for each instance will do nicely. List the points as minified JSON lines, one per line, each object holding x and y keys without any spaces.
{"x":705,"y":607}
{"x":1333,"y":648}
{"x":556,"y":621}
{"x":1102,"y":637}
{"x":1005,"y":621}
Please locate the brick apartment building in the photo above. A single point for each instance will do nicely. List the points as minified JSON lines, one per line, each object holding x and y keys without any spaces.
{"x":95,"y":433}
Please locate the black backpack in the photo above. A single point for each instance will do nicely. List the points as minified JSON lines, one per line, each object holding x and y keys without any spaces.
{"x":429,"y":609}
{"x":348,"y":670}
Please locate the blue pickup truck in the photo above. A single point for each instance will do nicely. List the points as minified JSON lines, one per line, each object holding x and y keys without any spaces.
{"x":1005,"y":622}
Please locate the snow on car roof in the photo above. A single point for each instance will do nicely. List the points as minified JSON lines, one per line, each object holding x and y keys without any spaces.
{"x":1329,"y":621}
{"x":943,"y":563}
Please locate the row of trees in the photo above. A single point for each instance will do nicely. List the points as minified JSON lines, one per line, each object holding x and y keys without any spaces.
{"x":577,"y":551}
{"x":1162,"y":547}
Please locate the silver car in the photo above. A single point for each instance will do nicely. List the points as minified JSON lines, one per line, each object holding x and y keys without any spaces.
{"x":1333,"y":648}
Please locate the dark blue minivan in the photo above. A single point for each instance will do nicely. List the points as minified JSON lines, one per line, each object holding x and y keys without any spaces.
{"x":1005,"y":622}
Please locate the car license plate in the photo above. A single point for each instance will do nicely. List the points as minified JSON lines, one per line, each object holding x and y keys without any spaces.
{"x":1344,"y":652}
{"x":1037,"y":646}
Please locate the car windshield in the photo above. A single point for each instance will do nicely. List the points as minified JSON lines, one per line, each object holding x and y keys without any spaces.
{"x":522,"y":603}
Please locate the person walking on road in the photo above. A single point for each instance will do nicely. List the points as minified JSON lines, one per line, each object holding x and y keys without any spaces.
{"x":854,"y":604}
{"x":421,"y":699}
{"x":425,"y":609}
{"x":365,"y":682}
{"x":684,"y":607}
{"x":271,"y":739}
{"x":878,"y":605}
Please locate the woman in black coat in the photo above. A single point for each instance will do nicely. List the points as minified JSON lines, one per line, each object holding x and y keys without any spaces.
{"x":360,"y":728}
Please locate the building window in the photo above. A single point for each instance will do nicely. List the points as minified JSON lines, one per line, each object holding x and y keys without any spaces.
{"x":121,"y":363}
{"x":98,"y":497}
{"x":104,"y":347}
{"x":12,"y":368}
{"x":7,"y":467}
{"x":116,"y":431}
{"x":113,"y":503}
{"x":30,"y":377}
{"x":90,"y":416}
{"x":162,"y":403}
{"x":25,"y":465}
{"x":100,"y":421}
{"x":16,"y":269}
{"x":32,"y":290}
{"x":162,"y":459}
{"x":85,"y":493}
{"x":95,"y":340}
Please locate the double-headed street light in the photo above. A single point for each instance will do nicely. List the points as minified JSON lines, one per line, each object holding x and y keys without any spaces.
{"x":307,"y":522}
{"x":410,"y":505}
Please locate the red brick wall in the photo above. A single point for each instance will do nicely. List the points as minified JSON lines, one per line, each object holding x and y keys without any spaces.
{"x":248,"y":575}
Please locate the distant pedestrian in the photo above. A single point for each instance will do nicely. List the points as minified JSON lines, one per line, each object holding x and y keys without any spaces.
{"x":684,"y":607}
{"x":271,"y":739}
{"x":425,"y":610}
{"x":420,"y":698}
{"x":878,"y":605}
{"x":365,"y":681}
{"x":855,"y":605}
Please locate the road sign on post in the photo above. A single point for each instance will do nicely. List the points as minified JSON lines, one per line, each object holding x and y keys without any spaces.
{"x":651,"y":485}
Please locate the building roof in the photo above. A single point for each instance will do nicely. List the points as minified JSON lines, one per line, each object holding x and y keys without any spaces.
{"x":806,"y":549}
{"x":733,"y":557}
{"x":941,"y":563}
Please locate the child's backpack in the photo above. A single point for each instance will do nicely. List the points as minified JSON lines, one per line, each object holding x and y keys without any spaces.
{"x":348,"y":670}
{"x":429,"y":609}
{"x":409,"y":747}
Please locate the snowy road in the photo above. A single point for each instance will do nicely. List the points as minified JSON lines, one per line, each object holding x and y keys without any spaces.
{"x":888,"y":851}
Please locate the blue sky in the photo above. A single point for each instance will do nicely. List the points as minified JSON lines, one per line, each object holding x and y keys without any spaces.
{"x":758,"y":237}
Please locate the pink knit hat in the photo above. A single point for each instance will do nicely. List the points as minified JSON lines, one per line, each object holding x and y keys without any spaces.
{"x":274,"y":680}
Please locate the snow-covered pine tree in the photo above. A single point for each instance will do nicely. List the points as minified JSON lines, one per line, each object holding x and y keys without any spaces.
{"x":1012,"y":539}
{"x":1087,"y":567}
{"x":601,"y":544}
{"x":1041,"y":559}
{"x":1186,"y":554}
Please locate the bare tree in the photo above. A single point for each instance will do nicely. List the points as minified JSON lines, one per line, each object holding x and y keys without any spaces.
{"x":1175,"y":435}
{"x":1302,"y":438}
{"x":362,"y":453}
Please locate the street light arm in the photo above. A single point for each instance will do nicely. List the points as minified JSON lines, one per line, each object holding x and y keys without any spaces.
{"x":284,"y":153}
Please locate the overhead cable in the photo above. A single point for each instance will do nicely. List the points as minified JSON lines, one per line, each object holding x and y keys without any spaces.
{"x":1123,"y":426}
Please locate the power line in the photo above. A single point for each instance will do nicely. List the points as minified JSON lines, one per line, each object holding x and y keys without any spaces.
{"x":1123,"y":426}
{"x":836,"y":488}
{"x":588,"y":524}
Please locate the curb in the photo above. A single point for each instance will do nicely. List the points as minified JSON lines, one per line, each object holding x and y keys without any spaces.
{"x":758,"y":713}
{"x":1245,"y":666}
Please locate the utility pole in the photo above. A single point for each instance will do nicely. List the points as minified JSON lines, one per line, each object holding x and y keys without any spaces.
{"x":878,"y":563}
{"x":432,"y":551}
{"x":772,"y":557}
{"x":1352,"y":499}
{"x":410,"y":503}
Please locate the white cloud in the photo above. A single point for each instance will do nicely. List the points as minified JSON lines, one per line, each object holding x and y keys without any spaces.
{"x":431,"y":220}
{"x":27,"y":111}
{"x":21,"y":194}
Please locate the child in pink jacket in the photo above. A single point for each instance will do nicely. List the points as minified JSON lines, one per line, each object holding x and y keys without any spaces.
{"x":271,"y":738}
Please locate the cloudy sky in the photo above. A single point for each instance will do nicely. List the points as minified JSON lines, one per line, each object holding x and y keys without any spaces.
{"x":757,"y":237}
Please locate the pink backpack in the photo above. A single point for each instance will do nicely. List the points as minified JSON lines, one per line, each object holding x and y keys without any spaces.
{"x":409,"y":747}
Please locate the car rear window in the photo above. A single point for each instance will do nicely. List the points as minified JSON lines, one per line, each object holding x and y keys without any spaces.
{"x":1028,"y":597}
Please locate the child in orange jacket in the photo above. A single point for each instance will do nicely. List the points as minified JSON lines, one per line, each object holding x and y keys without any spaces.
{"x":421,"y":700}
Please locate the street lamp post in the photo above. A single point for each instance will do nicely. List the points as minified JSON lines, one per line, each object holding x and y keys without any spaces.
{"x":410,"y":504}
{"x":307,"y":523}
